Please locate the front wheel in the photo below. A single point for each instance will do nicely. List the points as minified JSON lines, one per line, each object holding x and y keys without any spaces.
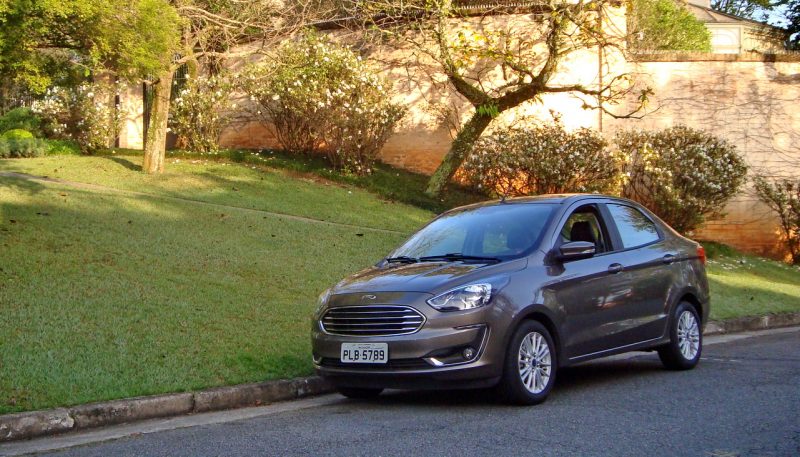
{"x":686,"y":340}
{"x":530,"y":367}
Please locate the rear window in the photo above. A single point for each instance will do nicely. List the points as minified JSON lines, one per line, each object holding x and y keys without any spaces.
{"x":634,"y":228}
{"x":503,"y":231}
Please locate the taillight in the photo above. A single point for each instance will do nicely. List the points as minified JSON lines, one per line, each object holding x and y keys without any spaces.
{"x":701,"y":254}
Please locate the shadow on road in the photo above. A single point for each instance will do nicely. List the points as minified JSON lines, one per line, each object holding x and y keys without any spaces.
{"x":571,"y":380}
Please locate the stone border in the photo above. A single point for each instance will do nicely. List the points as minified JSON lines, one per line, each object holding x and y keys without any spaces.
{"x":44,"y":423}
{"x":747,"y":324}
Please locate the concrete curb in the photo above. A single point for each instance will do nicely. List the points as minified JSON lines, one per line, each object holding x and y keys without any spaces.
{"x":747,"y":324}
{"x":35,"y":424}
{"x":44,"y":423}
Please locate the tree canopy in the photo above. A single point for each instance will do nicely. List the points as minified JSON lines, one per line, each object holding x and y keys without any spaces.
{"x":43,"y":42}
{"x":793,"y":28}
{"x":666,"y":25}
{"x":750,"y":9}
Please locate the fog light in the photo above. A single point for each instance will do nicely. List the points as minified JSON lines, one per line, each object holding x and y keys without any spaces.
{"x":468,"y":353}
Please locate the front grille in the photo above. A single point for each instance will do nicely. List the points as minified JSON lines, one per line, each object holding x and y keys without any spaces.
{"x":372,"y":320}
{"x":391,"y":364}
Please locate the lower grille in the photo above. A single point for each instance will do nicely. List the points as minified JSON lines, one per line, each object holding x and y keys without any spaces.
{"x":392,"y":363}
{"x":372,"y":320}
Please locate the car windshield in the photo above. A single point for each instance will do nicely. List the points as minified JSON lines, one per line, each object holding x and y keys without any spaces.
{"x":496,"y":232}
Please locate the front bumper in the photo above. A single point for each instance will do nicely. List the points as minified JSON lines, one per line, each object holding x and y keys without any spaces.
{"x":432,"y":357}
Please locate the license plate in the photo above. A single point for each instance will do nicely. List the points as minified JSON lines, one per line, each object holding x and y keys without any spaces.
{"x":365,"y":353}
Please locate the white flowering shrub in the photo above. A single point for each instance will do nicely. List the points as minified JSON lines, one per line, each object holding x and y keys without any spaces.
{"x":200,"y":111}
{"x":321,"y":97}
{"x":541,"y":159}
{"x":683,"y":175}
{"x":783,"y":197}
{"x":80,"y":114}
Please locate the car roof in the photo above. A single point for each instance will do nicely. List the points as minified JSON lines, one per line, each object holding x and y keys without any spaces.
{"x":560,"y":199}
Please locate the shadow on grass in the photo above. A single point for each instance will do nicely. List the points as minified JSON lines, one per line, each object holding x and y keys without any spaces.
{"x":21,"y":185}
{"x":124,"y":162}
{"x":108,"y":296}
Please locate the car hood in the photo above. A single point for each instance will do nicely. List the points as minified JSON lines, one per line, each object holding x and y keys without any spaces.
{"x":426,"y":277}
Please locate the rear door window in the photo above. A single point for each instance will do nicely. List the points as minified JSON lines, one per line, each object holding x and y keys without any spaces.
{"x":635,"y":229}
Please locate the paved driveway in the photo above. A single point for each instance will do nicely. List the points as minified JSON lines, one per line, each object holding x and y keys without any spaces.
{"x":743,"y":399}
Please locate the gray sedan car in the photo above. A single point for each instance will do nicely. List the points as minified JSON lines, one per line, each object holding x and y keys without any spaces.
{"x":505,"y":293}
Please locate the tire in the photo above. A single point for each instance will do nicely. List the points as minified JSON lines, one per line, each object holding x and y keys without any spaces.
{"x":358,"y":392}
{"x":526,"y":380}
{"x":686,"y":339}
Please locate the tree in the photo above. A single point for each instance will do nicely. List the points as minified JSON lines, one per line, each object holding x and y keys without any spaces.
{"x":499,"y":65}
{"x":793,"y":28}
{"x":211,"y":32}
{"x":750,"y":9}
{"x":666,"y":25}
{"x":47,"y":42}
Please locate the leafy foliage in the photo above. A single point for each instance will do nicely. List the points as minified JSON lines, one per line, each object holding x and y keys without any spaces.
{"x":16,"y":134}
{"x":200,"y":112}
{"x":683,"y":175}
{"x":542,"y":159}
{"x":666,"y":25}
{"x":81,"y":115}
{"x":20,"y":146}
{"x":21,"y":118}
{"x":45,"y":42}
{"x":793,"y":27}
{"x":751,"y":9}
{"x":320,"y":96}
{"x":783,"y":197}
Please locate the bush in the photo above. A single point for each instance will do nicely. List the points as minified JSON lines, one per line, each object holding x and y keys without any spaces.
{"x":685,"y":176}
{"x":540,"y":160}
{"x":200,"y":112}
{"x":21,"y":118}
{"x":22,"y":147}
{"x":783,"y":197}
{"x":76,"y":113}
{"x":16,"y":134}
{"x":63,"y":147}
{"x":320,"y":96}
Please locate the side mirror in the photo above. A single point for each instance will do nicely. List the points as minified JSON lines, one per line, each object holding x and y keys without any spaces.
{"x":575,"y":250}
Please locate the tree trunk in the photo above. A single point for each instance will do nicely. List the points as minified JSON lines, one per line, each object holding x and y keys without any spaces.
{"x":458,"y":151}
{"x":156,"y":141}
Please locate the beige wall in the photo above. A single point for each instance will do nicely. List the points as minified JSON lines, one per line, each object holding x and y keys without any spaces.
{"x":746,"y":98}
{"x":750,"y":102}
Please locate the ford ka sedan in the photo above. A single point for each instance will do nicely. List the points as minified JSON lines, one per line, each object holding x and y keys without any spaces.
{"x":506,"y":293}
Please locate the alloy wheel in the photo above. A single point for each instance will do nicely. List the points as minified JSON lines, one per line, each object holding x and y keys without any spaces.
{"x":534,"y":362}
{"x":688,"y":335}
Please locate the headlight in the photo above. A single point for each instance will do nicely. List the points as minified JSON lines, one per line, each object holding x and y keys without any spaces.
{"x":321,"y":302}
{"x":463,"y":298}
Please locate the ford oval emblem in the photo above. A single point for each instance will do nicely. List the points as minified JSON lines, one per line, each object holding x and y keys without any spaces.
{"x":368,"y":297}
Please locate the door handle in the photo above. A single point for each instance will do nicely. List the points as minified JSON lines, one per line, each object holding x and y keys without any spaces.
{"x":615,"y":268}
{"x":668,"y":259}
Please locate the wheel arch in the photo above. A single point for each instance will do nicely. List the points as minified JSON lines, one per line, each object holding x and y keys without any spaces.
{"x":693,"y":298}
{"x":542,"y":315}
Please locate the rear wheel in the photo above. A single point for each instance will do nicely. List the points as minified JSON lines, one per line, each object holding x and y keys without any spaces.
{"x":358,"y":392}
{"x":530,"y":368}
{"x":686,"y":340}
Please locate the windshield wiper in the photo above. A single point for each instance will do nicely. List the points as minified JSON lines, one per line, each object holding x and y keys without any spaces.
{"x":456,"y":256}
{"x":402,"y":259}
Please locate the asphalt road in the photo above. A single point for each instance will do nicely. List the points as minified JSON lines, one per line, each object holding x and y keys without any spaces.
{"x":743,"y":399}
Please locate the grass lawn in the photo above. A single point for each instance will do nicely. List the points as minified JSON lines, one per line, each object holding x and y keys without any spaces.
{"x":746,"y":285}
{"x":106,"y":294}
